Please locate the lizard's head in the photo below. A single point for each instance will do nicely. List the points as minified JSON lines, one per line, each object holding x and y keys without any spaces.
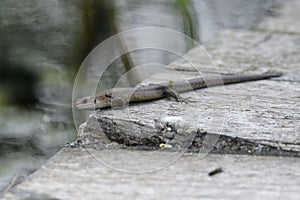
{"x":86,"y":103}
{"x":92,"y":103}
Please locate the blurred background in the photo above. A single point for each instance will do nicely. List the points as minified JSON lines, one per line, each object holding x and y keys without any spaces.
{"x":43,"y":43}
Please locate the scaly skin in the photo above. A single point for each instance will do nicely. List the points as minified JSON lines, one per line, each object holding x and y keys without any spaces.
{"x":122,"y":96}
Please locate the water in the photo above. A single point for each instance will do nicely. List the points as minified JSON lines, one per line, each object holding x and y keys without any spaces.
{"x":49,"y":39}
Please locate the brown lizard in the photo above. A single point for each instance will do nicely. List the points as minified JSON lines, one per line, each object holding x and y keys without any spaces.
{"x":119,"y":97}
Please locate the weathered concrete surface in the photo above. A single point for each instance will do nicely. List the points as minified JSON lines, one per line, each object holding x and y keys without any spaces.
{"x":286,"y":19}
{"x":244,"y":177}
{"x":265,"y":110}
{"x":99,"y":132}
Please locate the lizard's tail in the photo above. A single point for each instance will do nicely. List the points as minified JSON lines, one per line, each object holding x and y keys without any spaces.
{"x":230,"y":79}
{"x":203,"y":82}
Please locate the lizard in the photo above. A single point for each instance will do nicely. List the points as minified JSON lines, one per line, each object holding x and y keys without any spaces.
{"x":118,"y":97}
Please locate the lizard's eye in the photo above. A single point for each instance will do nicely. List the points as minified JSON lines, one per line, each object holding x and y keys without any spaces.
{"x":95,"y":100}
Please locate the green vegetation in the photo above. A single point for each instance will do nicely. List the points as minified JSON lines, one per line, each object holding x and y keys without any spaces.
{"x":190,"y":21}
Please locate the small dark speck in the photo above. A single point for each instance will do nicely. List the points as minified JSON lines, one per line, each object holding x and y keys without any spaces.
{"x":215,"y":171}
